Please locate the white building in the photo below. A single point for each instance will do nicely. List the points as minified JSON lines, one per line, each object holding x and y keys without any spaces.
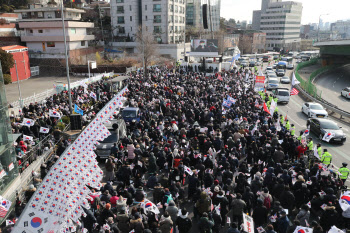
{"x":281,"y":23}
{"x":194,"y":14}
{"x":41,"y":29}
{"x":341,"y":29}
{"x":165,"y":19}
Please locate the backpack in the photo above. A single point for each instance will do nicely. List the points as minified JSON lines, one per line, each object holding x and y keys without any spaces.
{"x":267,"y":202}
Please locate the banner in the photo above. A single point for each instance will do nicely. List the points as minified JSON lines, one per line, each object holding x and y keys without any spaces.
{"x":78,"y":110}
{"x":27,"y":138}
{"x":335,"y":229}
{"x":4,"y":206}
{"x":259,"y":83}
{"x":248,"y":225}
{"x":63,"y":193}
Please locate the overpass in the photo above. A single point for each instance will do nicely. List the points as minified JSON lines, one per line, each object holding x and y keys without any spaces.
{"x":334,"y":52}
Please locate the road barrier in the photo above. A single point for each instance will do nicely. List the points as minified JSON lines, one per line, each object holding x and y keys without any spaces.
{"x":309,"y":90}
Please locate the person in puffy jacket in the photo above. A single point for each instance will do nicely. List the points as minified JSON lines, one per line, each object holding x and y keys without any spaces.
{"x":203,"y":205}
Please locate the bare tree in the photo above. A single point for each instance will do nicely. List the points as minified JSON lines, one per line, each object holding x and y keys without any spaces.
{"x":147,"y":47}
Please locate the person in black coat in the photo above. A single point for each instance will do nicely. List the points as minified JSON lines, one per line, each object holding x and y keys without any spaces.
{"x":260,"y":214}
{"x":183,"y":222}
{"x":221,"y":200}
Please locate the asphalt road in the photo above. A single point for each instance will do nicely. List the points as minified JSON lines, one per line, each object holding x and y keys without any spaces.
{"x":340,"y":153}
{"x":331,"y":84}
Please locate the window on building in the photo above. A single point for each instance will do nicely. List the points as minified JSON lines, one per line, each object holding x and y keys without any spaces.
{"x":120,"y":1}
{"x":171,"y":28}
{"x":157,"y":29}
{"x":175,"y":28}
{"x":146,"y":17}
{"x":130,"y":18}
{"x":49,"y":16}
{"x":176,"y":9}
{"x":121,"y":19}
{"x":82,"y":43}
{"x":157,"y":8}
{"x":171,"y":8}
{"x":171,"y":39}
{"x":40,"y":15}
{"x":171,"y":19}
{"x":73,"y":31}
{"x":122,"y":30}
{"x":120,"y":9}
{"x":40,"y":31}
{"x":24,"y":15}
{"x":176,"y":19}
{"x":50,"y":44}
{"x":157,"y":19}
{"x":158,"y":39}
{"x":145,"y":7}
{"x":130,"y":8}
{"x":31,"y":31}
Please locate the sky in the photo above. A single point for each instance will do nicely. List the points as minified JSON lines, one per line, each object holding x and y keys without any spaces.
{"x":243,"y":10}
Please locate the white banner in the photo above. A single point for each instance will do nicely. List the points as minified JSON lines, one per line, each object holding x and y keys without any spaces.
{"x":328,"y":136}
{"x":335,"y":229}
{"x":344,"y":200}
{"x":248,"y":225}
{"x":28,"y":122}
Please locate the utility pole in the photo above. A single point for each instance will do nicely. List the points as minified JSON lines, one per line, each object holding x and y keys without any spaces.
{"x":99,"y":12}
{"x":211,"y":21}
{"x":67,"y":64}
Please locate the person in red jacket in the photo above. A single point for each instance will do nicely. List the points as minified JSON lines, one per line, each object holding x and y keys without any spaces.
{"x":301,"y":150}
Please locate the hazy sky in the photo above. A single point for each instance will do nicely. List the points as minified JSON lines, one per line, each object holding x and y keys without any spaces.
{"x":243,"y":9}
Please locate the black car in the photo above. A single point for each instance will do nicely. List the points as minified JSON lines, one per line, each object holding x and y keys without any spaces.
{"x":252,"y":63}
{"x":322,"y":126}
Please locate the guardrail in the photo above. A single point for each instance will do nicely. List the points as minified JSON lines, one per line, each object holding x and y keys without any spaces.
{"x":323,"y":102}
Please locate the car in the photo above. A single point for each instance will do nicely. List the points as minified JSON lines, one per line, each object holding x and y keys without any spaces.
{"x":314,"y":110}
{"x":290,"y":66}
{"x":268,"y":68}
{"x":130,"y":113}
{"x":117,"y":128}
{"x":274,"y":66}
{"x":345,"y":92}
{"x":285,"y":79}
{"x":282,"y":95}
{"x":275,"y":57}
{"x":280,"y":72}
{"x":244,"y":64}
{"x":321,"y":127}
{"x":271,"y":75}
{"x":298,"y":61}
{"x":252,"y":63}
{"x":271,"y":83}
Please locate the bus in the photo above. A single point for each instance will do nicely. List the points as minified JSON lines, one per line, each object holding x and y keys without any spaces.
{"x":287,"y":59}
{"x":267,"y":58}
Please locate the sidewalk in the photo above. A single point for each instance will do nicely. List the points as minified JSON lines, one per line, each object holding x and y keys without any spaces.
{"x":34,"y":85}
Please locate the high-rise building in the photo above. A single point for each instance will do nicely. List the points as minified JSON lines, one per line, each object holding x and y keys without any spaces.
{"x":281,"y":23}
{"x":194,"y":14}
{"x":165,"y":19}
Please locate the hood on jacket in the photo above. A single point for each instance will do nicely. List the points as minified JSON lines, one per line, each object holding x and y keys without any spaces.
{"x":204,"y":195}
{"x":171,"y":203}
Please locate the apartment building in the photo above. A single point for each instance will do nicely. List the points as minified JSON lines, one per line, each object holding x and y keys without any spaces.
{"x":194,"y":16}
{"x":41,"y":29}
{"x":165,"y":19}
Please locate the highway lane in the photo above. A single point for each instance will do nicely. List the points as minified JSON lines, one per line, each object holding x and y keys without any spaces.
{"x":340,"y":153}
{"x":331,"y":85}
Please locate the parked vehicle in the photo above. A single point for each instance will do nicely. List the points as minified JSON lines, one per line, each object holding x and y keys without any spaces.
{"x":129,"y":114}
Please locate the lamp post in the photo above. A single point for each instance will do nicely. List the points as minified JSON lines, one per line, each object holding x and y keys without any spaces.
{"x":67,"y":64}
{"x":318,"y":28}
{"x":19,"y":88}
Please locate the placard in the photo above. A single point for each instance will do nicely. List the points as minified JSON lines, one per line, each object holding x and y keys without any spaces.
{"x":248,"y":225}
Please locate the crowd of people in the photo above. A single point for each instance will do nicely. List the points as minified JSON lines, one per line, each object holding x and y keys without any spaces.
{"x":193,"y":165}
{"x":205,"y":165}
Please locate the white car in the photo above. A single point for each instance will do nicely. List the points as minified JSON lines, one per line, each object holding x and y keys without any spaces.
{"x":345,"y":92}
{"x":314,"y":110}
{"x":285,"y":79}
{"x":272,"y":83}
{"x":268,"y":68}
{"x":290,"y":66}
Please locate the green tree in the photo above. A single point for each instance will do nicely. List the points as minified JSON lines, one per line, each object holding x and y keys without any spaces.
{"x":7,"y":61}
{"x":222,"y":23}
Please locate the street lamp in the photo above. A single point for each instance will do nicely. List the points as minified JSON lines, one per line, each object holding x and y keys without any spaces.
{"x":66,"y":55}
{"x":318,"y":28}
